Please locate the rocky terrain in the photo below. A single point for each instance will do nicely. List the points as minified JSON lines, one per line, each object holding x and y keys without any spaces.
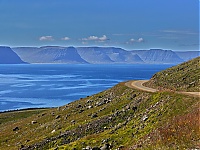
{"x":118,"y":118}
{"x":184,"y":77}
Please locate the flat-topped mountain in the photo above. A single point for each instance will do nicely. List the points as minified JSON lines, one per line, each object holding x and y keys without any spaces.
{"x":184,"y":77}
{"x":50,"y":54}
{"x":100,"y":55}
{"x":8,"y":56}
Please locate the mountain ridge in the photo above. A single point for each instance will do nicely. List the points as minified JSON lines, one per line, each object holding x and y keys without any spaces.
{"x":101,"y":55}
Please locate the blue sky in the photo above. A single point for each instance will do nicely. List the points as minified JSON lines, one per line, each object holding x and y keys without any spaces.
{"x":130,"y":24}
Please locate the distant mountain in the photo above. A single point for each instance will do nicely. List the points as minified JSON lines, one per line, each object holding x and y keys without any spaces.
{"x":188,"y":55}
{"x":97,"y":55}
{"x":8,"y":56}
{"x":50,"y":54}
{"x":158,"y":56}
{"x":100,"y":55}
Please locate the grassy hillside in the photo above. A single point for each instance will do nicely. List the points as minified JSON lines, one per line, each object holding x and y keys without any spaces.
{"x":184,"y":77}
{"x":120,"y":117}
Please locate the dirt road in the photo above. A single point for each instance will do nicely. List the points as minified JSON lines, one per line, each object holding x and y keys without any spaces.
{"x":138,"y":84}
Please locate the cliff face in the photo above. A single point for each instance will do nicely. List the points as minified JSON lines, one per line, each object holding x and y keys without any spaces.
{"x":8,"y":56}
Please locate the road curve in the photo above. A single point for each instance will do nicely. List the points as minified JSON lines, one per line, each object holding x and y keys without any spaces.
{"x":138,"y":84}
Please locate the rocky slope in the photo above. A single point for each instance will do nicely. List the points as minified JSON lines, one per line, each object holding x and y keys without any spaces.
{"x":184,"y":77}
{"x":8,"y":56}
{"x":118,"y":118}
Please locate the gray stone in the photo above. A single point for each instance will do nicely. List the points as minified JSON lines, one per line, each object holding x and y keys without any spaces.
{"x":16,"y":129}
{"x":33,"y":122}
{"x":58,"y":116}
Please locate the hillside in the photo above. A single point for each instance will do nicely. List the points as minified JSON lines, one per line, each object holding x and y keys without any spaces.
{"x":184,"y":77}
{"x":118,"y":118}
{"x":8,"y":56}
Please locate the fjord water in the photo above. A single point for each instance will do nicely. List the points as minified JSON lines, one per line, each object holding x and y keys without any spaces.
{"x":52,"y":85}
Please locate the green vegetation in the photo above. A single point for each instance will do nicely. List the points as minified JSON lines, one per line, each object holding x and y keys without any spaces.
{"x":184,"y":77}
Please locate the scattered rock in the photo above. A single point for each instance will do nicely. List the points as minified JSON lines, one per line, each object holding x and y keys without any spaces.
{"x":53,"y":131}
{"x":78,"y":106}
{"x":73,"y":121}
{"x":134,"y":108}
{"x":16,"y":129}
{"x":94,"y":115}
{"x":88,"y":148}
{"x":105,"y":147}
{"x":96,"y":148}
{"x":90,"y":107}
{"x":33,"y":122}
{"x":144,"y":118}
{"x":80,"y":111}
{"x":58,"y":116}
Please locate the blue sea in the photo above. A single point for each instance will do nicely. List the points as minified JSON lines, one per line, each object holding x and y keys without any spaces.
{"x":52,"y":85}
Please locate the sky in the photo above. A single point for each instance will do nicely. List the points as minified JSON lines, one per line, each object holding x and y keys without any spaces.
{"x":129,"y":24}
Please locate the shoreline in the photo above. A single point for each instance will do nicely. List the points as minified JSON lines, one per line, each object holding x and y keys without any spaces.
{"x":25,"y":109}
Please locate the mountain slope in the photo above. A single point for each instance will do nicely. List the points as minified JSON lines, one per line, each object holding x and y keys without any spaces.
{"x":8,"y":56}
{"x":188,"y":55}
{"x":184,"y":77}
{"x":158,"y":56}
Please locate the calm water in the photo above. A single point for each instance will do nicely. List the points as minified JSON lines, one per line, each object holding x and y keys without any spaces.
{"x":30,"y":86}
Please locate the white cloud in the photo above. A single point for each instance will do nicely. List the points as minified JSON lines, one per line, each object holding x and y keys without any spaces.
{"x":65,"y":38}
{"x":46,"y":38}
{"x":140,"y":40}
{"x":132,"y":40}
{"x":103,"y":38}
{"x":96,"y":38}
